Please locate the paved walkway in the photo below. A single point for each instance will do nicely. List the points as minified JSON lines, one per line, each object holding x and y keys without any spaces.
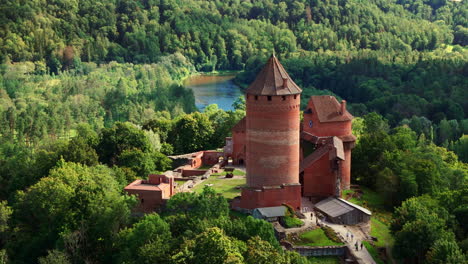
{"x":362,"y":254}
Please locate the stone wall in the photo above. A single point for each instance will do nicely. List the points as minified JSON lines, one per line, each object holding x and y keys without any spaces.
{"x":320,"y":251}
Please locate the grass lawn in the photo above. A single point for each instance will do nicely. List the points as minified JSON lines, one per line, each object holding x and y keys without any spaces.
{"x":369,"y":199}
{"x":227,"y":187}
{"x":315,"y":238}
{"x":373,"y":252}
{"x":381,"y":231}
{"x":235,"y":172}
{"x":324,"y":260}
{"x":180,"y":182}
{"x":380,"y":220}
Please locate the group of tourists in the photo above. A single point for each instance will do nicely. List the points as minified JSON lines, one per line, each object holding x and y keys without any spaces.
{"x":357,"y":244}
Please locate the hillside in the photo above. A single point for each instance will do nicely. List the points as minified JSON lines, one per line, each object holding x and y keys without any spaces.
{"x":91,"y":98}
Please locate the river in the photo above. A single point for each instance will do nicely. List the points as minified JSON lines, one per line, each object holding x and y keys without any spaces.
{"x":213,"y":89}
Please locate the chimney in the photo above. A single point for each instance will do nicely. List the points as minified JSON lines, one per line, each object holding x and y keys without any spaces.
{"x":343,"y":107}
{"x":285,"y":83}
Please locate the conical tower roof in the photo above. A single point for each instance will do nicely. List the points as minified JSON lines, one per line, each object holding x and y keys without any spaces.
{"x":273,"y":80}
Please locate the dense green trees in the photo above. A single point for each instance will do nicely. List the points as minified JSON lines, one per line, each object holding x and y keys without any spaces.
{"x":401,"y":166}
{"x":76,"y":206}
{"x":402,"y":86}
{"x":424,"y":230}
{"x":71,"y":99}
{"x":147,"y":241}
{"x":218,"y":34}
{"x":39,"y":106}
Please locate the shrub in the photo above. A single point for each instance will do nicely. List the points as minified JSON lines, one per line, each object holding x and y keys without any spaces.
{"x":290,"y":222}
{"x":330,"y":233}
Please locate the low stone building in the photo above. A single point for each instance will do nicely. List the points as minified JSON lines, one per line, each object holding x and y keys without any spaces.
{"x":152,"y":193}
{"x":340,"y":211}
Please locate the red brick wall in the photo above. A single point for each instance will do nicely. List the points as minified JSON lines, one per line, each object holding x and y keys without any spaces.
{"x":238,"y":150}
{"x":188,"y":173}
{"x":319,"y":179}
{"x":196,"y":160}
{"x":318,"y":173}
{"x":291,"y":195}
{"x":211,"y":157}
{"x":272,"y":140}
{"x":167,"y":190}
{"x":345,"y":167}
{"x":148,"y":200}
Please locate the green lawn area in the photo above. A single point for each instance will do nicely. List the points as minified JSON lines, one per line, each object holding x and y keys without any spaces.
{"x":315,"y":238}
{"x":380,"y":220}
{"x":381,"y":231}
{"x":324,"y":260}
{"x":373,"y":252}
{"x":227,"y":187}
{"x":369,"y":199}
{"x":236,"y":173}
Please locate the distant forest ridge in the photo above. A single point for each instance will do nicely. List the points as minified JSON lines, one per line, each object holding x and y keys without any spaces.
{"x":121,"y":60}
{"x":220,"y":34}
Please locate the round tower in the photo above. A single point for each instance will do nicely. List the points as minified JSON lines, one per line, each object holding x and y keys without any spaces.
{"x":272,"y":139}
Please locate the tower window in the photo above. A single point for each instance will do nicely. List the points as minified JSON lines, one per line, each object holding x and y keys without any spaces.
{"x":269,"y":98}
{"x":295,"y":96}
{"x":311,"y":123}
{"x":256,"y":98}
{"x":283,"y":97}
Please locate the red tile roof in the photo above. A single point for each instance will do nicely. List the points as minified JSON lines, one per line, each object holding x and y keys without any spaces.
{"x":273,"y":80}
{"x":329,"y":110}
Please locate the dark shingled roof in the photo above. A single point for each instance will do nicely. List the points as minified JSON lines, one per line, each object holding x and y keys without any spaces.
{"x":336,"y":206}
{"x":240,"y":126}
{"x":272,"y":211}
{"x":271,"y":80}
{"x":329,"y":110}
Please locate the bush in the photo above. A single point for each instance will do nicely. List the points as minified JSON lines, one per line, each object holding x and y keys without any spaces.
{"x":330,"y":233}
{"x":290,"y":222}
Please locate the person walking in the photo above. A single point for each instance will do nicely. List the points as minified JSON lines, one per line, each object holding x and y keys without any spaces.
{"x":356,"y":245}
{"x":347,"y":235}
{"x":361,"y":245}
{"x":352,"y":237}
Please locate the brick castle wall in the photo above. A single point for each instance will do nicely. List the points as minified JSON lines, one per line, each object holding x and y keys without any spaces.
{"x":272,"y":140}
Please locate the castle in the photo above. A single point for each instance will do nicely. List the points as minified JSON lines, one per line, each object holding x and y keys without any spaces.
{"x":284,"y":158}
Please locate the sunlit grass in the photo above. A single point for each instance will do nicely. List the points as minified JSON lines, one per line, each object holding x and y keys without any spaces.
{"x":316,"y":238}
{"x":373,"y":252}
{"x":227,"y":187}
{"x":235,"y":172}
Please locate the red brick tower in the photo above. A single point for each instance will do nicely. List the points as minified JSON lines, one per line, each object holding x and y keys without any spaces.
{"x":327,"y":124}
{"x":272,"y":139}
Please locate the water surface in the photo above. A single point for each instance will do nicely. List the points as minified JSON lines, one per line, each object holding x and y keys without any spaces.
{"x":214,"y":89}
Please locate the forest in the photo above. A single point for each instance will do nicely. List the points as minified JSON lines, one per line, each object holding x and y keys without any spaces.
{"x":92,"y":97}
